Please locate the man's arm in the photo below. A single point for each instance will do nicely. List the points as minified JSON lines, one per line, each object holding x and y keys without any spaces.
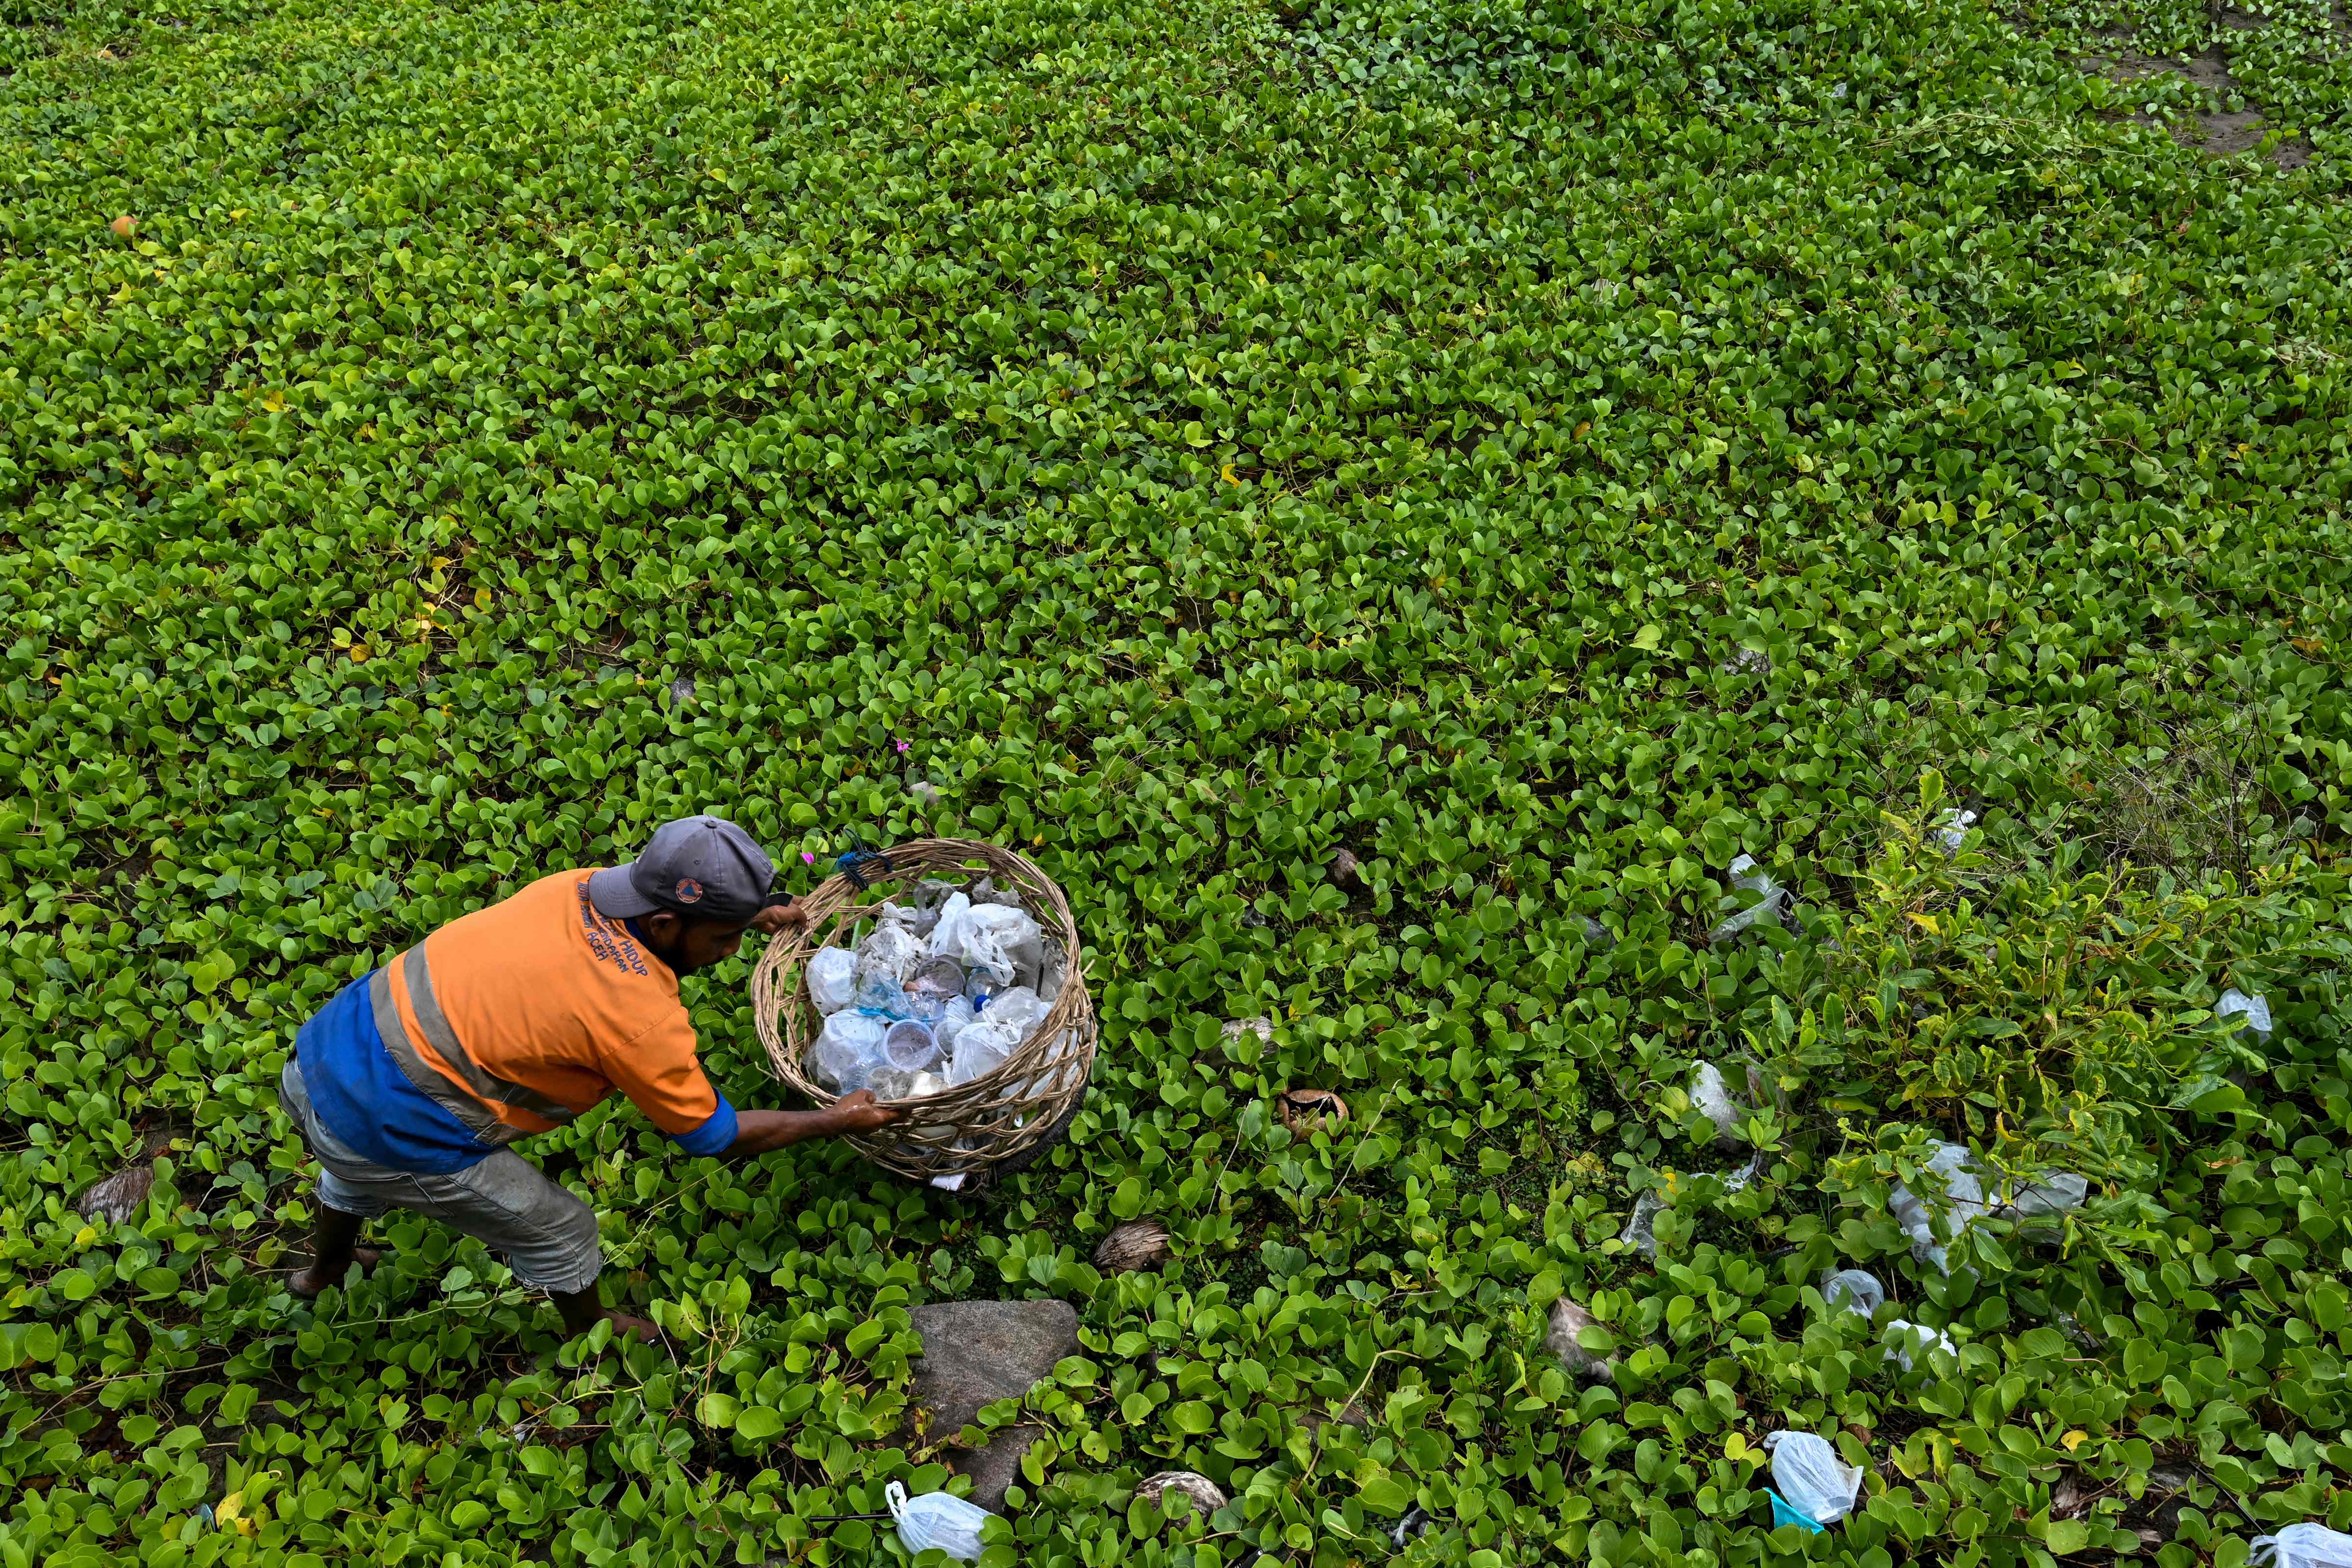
{"x":761,"y":1132}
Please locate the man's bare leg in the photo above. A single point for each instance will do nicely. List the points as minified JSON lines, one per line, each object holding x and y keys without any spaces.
{"x":582,"y":1310}
{"x":334,"y":1247}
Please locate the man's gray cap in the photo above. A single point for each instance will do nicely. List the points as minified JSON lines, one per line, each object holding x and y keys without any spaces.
{"x":704,"y":867}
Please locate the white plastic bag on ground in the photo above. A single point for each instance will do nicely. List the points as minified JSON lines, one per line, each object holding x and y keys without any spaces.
{"x":1855,"y":1289}
{"x":848,"y":1051}
{"x":981,"y":1047}
{"x":937,"y":1519}
{"x":2302,"y":1546}
{"x":1772,"y":903}
{"x":1952,"y":829}
{"x":1712,"y":1097}
{"x":1963,"y":1201}
{"x":1907,"y":1340}
{"x":2055,"y":1191}
{"x":2257,"y":1010}
{"x":832,"y":978}
{"x":1808,"y":1472}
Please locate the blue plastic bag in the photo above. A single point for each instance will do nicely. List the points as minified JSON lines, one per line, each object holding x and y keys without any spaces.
{"x":1782,"y":1513}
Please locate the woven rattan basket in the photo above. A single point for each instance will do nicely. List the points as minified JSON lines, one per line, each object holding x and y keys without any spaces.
{"x":973,"y":1127}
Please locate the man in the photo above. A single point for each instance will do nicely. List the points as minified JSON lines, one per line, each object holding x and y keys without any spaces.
{"x":410,"y":1085}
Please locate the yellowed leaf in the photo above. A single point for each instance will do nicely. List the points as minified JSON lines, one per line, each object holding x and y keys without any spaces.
{"x":2074,"y":1439}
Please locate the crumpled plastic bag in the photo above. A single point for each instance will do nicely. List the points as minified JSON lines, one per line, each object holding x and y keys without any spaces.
{"x":953,"y":1019}
{"x":937,"y":1519}
{"x":2302,"y":1545}
{"x":1952,"y":829}
{"x":1641,"y":1226}
{"x":848,"y":1051}
{"x":1905,"y":1339}
{"x":2257,"y":1010}
{"x":1569,"y":1320}
{"x":1809,"y":1476}
{"x":982,"y":1046}
{"x":1712,"y":1097}
{"x":1855,"y":1289}
{"x":890,"y":950}
{"x":832,"y":979}
{"x":1772,"y":904}
{"x":1020,"y":1007}
{"x":975,"y":934}
{"x":1964,"y":1202}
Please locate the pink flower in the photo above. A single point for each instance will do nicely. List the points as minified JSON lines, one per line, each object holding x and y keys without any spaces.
{"x":808,"y":859}
{"x":904,"y":744}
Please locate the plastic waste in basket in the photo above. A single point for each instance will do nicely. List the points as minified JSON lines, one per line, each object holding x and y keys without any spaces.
{"x":1810,"y":1478}
{"x":832,"y":979}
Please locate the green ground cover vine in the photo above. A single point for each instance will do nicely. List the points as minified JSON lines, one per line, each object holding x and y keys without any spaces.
{"x":1545,"y":451}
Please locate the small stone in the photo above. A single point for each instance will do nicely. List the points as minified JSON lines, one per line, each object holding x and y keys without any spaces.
{"x":118,"y":1197}
{"x":1141,"y":1244}
{"x":1747,"y":661}
{"x":1597,"y":936}
{"x":1203,"y":1492}
{"x":1568,"y":1320}
{"x":681,"y":690}
{"x":1346,"y":868}
{"x":925,"y":793}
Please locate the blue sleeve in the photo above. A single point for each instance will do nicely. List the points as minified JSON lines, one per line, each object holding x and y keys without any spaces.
{"x":713,"y":1136}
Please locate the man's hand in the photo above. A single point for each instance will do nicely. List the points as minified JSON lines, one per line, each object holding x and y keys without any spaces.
{"x":786,"y":918}
{"x":861,"y":1112}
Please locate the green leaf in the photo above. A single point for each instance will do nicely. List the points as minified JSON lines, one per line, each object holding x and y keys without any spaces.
{"x":759,"y":1423}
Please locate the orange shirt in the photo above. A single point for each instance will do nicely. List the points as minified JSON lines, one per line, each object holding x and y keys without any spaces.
{"x":536,"y":1008}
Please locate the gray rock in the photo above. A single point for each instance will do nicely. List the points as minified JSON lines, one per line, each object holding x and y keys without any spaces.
{"x":995,"y":1467}
{"x":924,"y":794}
{"x":682,"y":689}
{"x":1346,"y":868}
{"x":974,"y":1353}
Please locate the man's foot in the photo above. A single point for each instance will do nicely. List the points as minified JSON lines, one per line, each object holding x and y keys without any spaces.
{"x":308,"y":1282}
{"x":623,"y":1324}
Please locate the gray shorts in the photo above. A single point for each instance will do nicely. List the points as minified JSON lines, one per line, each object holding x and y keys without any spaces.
{"x":548,"y":1236}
